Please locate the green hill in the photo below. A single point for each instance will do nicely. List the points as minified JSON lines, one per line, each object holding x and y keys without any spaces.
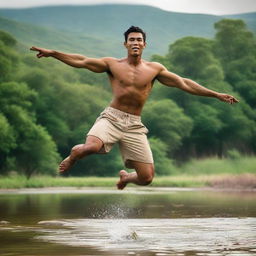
{"x":52,"y":38}
{"x":97,"y":29}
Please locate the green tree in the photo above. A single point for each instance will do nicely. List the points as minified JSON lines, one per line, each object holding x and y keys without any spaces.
{"x":37,"y":153}
{"x":167,"y":122}
{"x":9,"y":59}
{"x":207,"y":125}
{"x":247,"y":89}
{"x":29,"y":145}
{"x":235,"y":46}
{"x":193,"y":57}
{"x":47,"y":105}
{"x":163,"y":164}
{"x":7,"y":137}
{"x":7,"y":39}
{"x":7,"y":142}
{"x":233,"y":41}
{"x":238,"y":127}
{"x":217,"y":65}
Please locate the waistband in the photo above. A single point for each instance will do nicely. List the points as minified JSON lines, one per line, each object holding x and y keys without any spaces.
{"x":121,"y":114}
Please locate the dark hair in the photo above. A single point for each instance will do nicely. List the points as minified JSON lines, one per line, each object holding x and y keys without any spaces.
{"x":134,"y":29}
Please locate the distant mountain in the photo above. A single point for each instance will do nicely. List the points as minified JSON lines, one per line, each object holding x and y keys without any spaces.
{"x":52,"y":38}
{"x":98,"y":29}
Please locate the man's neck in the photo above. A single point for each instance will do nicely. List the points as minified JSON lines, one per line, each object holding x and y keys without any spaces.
{"x":134,"y":60}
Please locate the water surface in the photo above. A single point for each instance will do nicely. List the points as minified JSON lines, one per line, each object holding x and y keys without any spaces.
{"x":134,"y":222}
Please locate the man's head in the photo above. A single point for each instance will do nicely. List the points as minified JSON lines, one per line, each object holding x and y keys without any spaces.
{"x":135,"y":41}
{"x":133,"y":29}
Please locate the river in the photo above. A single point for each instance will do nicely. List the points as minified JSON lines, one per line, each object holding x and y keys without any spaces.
{"x":136,"y":221}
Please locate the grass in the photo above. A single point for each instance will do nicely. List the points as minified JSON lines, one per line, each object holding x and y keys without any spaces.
{"x":48,"y":181}
{"x":213,"y":172}
{"x":185,"y":180}
{"x":220,"y":166}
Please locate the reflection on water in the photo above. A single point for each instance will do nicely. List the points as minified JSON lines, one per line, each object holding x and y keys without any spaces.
{"x":177,"y":223}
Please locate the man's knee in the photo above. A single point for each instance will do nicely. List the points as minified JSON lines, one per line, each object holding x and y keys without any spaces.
{"x":147,"y":176}
{"x":147,"y":180}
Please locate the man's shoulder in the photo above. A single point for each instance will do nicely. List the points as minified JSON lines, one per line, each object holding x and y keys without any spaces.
{"x":112,"y":61}
{"x":155,"y":65}
{"x":109,"y":59}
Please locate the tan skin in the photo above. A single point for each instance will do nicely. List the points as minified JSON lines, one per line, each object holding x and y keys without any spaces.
{"x":132,"y":79}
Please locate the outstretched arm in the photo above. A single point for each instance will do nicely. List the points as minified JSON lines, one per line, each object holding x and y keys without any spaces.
{"x":74,"y":60}
{"x":170,"y":79}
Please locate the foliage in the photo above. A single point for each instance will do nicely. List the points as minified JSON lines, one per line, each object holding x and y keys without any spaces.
{"x":24,"y":144}
{"x":216,"y":64}
{"x":163,"y":164}
{"x":22,"y":138}
{"x":47,"y":107}
{"x":235,"y":46}
{"x":7,"y":39}
{"x":167,"y":122}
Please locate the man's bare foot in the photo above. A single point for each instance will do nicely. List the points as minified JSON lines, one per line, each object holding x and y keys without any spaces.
{"x":123,"y":177}
{"x":66,"y":164}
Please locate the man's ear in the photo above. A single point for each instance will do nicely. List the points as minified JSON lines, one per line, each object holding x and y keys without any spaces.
{"x":125,"y":44}
{"x":145,"y":44}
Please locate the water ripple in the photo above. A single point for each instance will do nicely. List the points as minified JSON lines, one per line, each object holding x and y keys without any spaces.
{"x":204,"y":236}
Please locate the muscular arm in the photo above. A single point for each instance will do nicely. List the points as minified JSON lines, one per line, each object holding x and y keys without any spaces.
{"x":74,"y":60}
{"x":170,"y":79}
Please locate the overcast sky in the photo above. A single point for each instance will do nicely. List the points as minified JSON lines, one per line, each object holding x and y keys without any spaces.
{"x":217,"y":7}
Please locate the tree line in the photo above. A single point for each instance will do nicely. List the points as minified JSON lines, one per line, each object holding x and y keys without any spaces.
{"x":47,"y":107}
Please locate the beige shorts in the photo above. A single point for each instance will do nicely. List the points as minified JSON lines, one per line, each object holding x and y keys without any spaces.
{"x":114,"y":126}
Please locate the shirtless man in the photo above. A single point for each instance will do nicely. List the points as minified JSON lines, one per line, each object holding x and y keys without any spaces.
{"x":132,"y":79}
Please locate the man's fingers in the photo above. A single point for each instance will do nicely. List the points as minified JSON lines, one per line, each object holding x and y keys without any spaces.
{"x":33,"y":48}
{"x":229,"y":99}
{"x":41,"y":52}
{"x":39,"y":55}
{"x":232,"y":100}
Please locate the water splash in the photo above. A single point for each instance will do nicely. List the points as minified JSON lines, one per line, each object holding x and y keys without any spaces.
{"x":119,"y":231}
{"x":111,"y":211}
{"x":203,"y":236}
{"x":209,"y":236}
{"x":116,"y":225}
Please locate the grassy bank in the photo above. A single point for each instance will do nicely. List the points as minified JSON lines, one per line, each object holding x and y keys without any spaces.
{"x":217,"y":166}
{"x":218,"y":181}
{"x":47,"y":181}
{"x":213,"y":172}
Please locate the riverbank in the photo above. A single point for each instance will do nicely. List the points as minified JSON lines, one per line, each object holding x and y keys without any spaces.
{"x":220,"y":181}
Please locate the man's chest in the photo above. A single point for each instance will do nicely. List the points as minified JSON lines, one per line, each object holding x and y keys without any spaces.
{"x":138,"y":77}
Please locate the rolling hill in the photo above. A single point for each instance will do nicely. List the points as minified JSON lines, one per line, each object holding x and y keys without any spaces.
{"x":97,"y":30}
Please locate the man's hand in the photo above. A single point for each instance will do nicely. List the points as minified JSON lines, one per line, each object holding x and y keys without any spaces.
{"x":42,"y":52}
{"x":227,"y":98}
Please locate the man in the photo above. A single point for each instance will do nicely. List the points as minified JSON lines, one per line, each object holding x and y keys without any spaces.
{"x":132,"y":79}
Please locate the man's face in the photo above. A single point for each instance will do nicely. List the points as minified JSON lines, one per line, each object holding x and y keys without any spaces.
{"x":135,"y":44}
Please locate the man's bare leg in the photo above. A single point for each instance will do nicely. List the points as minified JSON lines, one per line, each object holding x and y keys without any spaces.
{"x":91,"y":146}
{"x":143,"y":175}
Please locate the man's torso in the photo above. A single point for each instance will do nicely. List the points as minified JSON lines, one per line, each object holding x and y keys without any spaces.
{"x":131,"y":85}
